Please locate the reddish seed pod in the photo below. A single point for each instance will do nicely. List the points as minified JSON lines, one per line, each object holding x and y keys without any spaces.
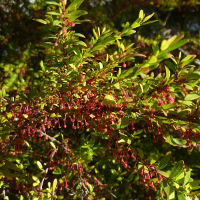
{"x":82,"y":77}
{"x":146,"y":71}
{"x":56,"y":44}
{"x":171,"y":100}
{"x":64,"y":31}
{"x":72,"y":24}
{"x":124,"y":65}
{"x":66,"y":184}
{"x":181,"y":66}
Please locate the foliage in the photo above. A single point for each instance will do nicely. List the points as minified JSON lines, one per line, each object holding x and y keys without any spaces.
{"x":99,"y":120}
{"x":174,"y":18}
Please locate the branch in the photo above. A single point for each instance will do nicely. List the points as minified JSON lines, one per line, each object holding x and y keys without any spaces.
{"x":49,"y":137}
{"x":42,"y":182}
{"x":113,"y":195}
{"x":166,"y":19}
{"x":8,"y":101}
{"x":193,"y":119}
{"x":174,"y":117}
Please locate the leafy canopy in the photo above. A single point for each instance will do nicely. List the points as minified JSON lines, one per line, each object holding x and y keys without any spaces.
{"x":96,"y":122}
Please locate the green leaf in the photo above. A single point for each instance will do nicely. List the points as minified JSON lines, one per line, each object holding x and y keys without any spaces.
{"x":58,"y":171}
{"x":177,"y":169}
{"x":180,"y":177}
{"x":42,"y":65}
{"x":167,"y":106}
{"x":125,"y":122}
{"x":129,"y":72}
{"x":192,"y":97}
{"x":75,"y":4}
{"x":53,"y":13}
{"x":178,"y":141}
{"x":35,"y":178}
{"x":42,"y":21}
{"x":121,"y":141}
{"x":172,"y":194}
{"x":52,"y":3}
{"x":194,"y":75}
{"x":81,"y":43}
{"x":9,"y":115}
{"x":53,"y":115}
{"x":100,"y":66}
{"x":135,"y":24}
{"x":127,"y":32}
{"x":164,"y":162}
{"x":79,"y":35}
{"x":177,"y":45}
{"x":117,"y":85}
{"x":187,"y":177}
{"x":195,"y":184}
{"x":142,"y":89}
{"x":171,"y":65}
{"x":35,"y":184}
{"x":149,"y":22}
{"x":75,"y":14}
{"x":188,"y":59}
{"x":39,"y":164}
{"x":21,"y":197}
{"x":169,"y":191}
{"x":53,"y":145}
{"x":187,"y":103}
{"x":181,"y":196}
{"x":37,"y":181}
{"x":90,"y":187}
{"x":55,"y":182}
{"x":109,"y":99}
{"x":141,"y":14}
{"x":129,"y":141}
{"x":148,"y":17}
{"x":57,"y":23}
{"x":164,"y":45}
{"x":97,"y":47}
{"x":167,"y":71}
{"x":27,"y":144}
{"x":152,"y":60}
{"x":173,"y":46}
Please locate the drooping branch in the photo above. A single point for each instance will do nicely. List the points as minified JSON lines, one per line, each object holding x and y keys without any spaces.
{"x":189,"y":118}
{"x":52,"y":139}
{"x":193,"y":119}
{"x":49,"y":137}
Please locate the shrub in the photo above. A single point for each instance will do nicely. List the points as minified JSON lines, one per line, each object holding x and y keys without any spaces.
{"x":96,"y":122}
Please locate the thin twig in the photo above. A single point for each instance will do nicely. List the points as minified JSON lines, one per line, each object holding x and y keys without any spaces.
{"x":49,"y":137}
{"x":42,"y":182}
{"x":111,"y":193}
{"x":8,"y":101}
{"x":166,"y":19}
